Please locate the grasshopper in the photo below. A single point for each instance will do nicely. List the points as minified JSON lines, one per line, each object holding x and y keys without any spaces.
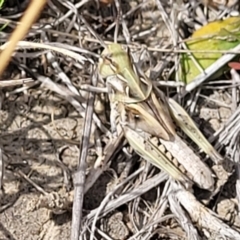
{"x":123,"y":79}
{"x":144,"y":118}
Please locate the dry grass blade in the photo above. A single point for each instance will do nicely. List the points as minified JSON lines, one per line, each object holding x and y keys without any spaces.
{"x":206,"y":219}
{"x":143,"y":188}
{"x":28,"y":19}
{"x":65,"y":52}
{"x":8,"y":83}
{"x":106,"y":200}
{"x":1,"y":168}
{"x":182,"y":218}
{"x":65,"y":93}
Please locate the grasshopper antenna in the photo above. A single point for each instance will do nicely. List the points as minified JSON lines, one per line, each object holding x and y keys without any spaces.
{"x":90,"y":29}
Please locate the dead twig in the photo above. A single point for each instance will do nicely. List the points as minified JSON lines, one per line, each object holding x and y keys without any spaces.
{"x":79,"y":181}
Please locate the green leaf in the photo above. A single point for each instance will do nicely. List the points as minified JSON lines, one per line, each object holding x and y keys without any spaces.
{"x":1,"y":3}
{"x":219,"y":35}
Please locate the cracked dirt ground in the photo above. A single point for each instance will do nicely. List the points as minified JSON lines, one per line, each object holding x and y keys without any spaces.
{"x":40,"y":134}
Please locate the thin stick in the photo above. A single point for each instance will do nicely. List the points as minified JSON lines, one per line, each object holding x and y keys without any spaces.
{"x":81,"y":171}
